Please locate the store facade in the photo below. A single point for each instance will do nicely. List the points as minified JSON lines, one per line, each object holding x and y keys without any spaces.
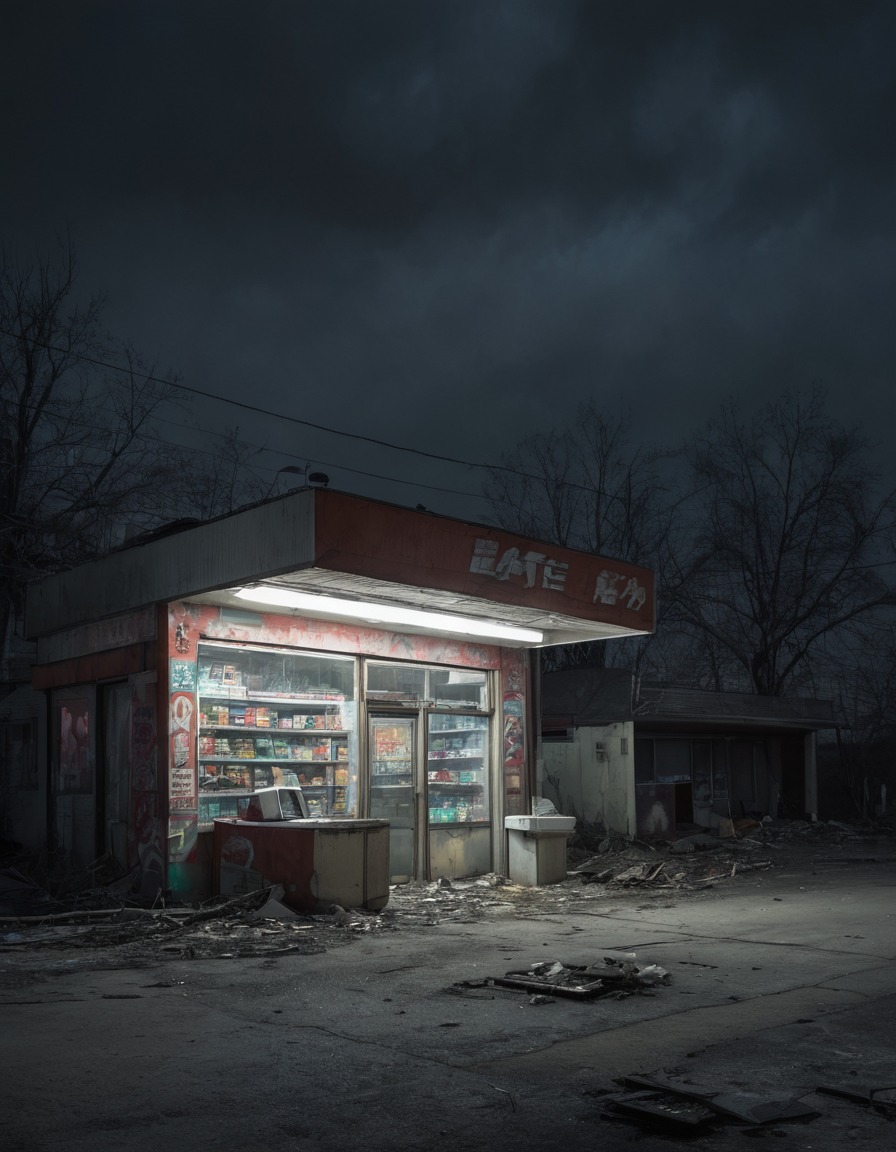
{"x":377,"y":657}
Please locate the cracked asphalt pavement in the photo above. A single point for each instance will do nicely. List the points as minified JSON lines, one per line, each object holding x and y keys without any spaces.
{"x":350,"y":1030}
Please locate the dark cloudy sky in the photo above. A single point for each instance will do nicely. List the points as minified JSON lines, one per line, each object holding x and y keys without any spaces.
{"x":444,"y":223}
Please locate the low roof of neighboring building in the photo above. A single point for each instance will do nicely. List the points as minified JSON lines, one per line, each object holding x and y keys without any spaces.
{"x":659,"y":701}
{"x":591,"y":697}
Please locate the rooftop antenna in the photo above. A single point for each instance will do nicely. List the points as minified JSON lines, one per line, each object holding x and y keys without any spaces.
{"x":319,"y":479}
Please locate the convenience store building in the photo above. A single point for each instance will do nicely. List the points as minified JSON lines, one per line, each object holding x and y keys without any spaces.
{"x":380,"y":657}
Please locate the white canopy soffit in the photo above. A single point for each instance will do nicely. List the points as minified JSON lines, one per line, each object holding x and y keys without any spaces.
{"x":322,"y":595}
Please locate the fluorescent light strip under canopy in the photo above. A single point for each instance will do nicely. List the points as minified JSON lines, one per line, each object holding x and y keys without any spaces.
{"x":387,"y":614}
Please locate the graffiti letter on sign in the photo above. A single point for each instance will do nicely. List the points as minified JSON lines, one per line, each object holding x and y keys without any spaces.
{"x":485,"y":553}
{"x":485,"y":562}
{"x":607,"y":590}
{"x":635,"y":593}
{"x":554,"y":575}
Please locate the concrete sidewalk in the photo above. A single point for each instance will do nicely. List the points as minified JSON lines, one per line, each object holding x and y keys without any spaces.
{"x":779,"y":983}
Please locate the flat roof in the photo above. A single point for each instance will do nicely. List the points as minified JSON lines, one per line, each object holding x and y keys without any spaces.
{"x":322,"y":542}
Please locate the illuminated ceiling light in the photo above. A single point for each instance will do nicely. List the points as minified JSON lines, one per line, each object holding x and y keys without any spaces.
{"x":387,"y":614}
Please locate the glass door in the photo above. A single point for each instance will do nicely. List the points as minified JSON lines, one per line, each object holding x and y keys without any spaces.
{"x":393,"y":773}
{"x":457,"y":769}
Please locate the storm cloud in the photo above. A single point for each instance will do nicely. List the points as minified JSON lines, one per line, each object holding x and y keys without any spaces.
{"x":445,"y":224}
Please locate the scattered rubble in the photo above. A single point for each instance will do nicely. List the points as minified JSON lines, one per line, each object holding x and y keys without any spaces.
{"x":700,"y":857}
{"x":256,"y":924}
{"x":679,"y":1108}
{"x":94,"y":910}
{"x":615,"y":977}
{"x":882,"y":1100}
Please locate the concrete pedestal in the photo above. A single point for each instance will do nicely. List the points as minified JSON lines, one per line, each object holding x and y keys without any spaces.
{"x":536,"y":848}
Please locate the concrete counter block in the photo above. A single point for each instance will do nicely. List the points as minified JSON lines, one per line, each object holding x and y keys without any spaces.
{"x":536,"y":848}
{"x":561,"y":824}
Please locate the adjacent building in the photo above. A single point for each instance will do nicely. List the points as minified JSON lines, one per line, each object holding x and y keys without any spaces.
{"x":647,"y":759}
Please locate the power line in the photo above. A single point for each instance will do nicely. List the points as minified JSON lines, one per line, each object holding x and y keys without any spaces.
{"x":280,"y":415}
{"x":333,"y":431}
{"x":282,"y":453}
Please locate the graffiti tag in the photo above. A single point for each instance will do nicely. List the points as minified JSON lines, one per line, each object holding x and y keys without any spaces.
{"x":607,"y":590}
{"x":486,"y":562}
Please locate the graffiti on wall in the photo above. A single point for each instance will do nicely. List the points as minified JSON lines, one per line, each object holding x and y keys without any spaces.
{"x":75,"y":771}
{"x":182,"y":791}
{"x":183,"y":676}
{"x":145,"y":827}
{"x":183,"y":802}
{"x":514,"y":730}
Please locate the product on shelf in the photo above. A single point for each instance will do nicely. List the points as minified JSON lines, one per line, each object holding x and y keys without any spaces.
{"x":456,"y":776}
{"x":280,"y":714}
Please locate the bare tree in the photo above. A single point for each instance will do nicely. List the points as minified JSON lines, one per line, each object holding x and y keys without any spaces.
{"x":789,"y":532}
{"x":216,"y":481}
{"x":78,"y":455}
{"x":537,"y":491}
{"x":860,"y":675}
{"x":586,"y":488}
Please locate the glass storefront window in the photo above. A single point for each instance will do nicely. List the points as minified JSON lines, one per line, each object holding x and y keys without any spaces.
{"x":457,"y":763}
{"x":395,"y":683}
{"x":419,"y":684}
{"x":269,"y":717}
{"x":457,"y":688}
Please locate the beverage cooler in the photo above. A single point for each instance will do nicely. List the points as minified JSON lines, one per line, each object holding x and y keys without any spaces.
{"x":432,"y":784}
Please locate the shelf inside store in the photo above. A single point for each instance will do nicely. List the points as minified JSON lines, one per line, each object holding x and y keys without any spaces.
{"x":248,"y":761}
{"x":274,"y":729}
{"x":237,"y":695}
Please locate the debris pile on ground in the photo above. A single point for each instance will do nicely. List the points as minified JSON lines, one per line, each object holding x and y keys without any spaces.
{"x":679,"y":1109}
{"x":617,"y":977}
{"x":614,"y":977}
{"x":34,"y":885}
{"x":69,"y":910}
{"x":880,"y":1100}
{"x":690,"y":863}
{"x":700,"y":857}
{"x":254,"y":924}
